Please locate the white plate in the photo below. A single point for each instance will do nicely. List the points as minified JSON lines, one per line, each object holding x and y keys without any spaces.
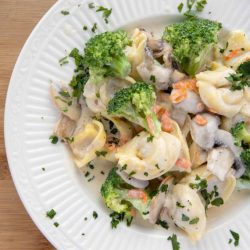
{"x":30,"y":117}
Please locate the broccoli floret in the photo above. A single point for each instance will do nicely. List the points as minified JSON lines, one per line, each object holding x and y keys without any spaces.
{"x":115,"y":194}
{"x":104,"y":55}
{"x":245,"y":156}
{"x":192,"y":41}
{"x":240,"y":133}
{"x":136,"y":105}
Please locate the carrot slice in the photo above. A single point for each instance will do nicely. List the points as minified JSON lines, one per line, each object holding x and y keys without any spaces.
{"x":138,"y":194}
{"x":200,"y":120}
{"x":178,"y":95}
{"x":183,"y":163}
{"x":166,"y":123}
{"x":189,"y":84}
{"x":232,"y":54}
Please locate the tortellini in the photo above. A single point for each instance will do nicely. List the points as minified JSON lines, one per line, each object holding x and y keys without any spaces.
{"x":136,"y":53}
{"x":98,"y":95}
{"x":186,"y":209}
{"x":146,"y":160}
{"x":215,"y":91}
{"x":86,"y":142}
{"x":224,"y":188}
{"x":240,"y":45}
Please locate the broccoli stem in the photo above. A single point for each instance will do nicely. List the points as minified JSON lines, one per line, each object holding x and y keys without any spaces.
{"x":121,"y":66}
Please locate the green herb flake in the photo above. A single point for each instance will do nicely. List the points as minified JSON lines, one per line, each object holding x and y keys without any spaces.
{"x":164,"y":188}
{"x":87,"y":174}
{"x":124,"y":167}
{"x":56,"y":224}
{"x":153,"y":78}
{"x":178,"y":204}
{"x":91,"y":179}
{"x":162,"y":223}
{"x":95,"y":215}
{"x":180,"y":7}
{"x":132,"y":173}
{"x":157,"y":166}
{"x":102,"y":173}
{"x":217,"y":202}
{"x":116,"y":218}
{"x":85,"y":27}
{"x":129,"y":221}
{"x":51,"y":214}
{"x":150,"y":138}
{"x":236,"y":238}
{"x":184,"y":217}
{"x":174,"y":241}
{"x":43,"y":169}
{"x":65,"y":12}
{"x":91,"y":166}
{"x":91,"y":5}
{"x":146,"y":173}
{"x":94,"y":28}
{"x":101,"y":153}
{"x":105,"y":12}
{"x":53,"y":139}
{"x":145,"y":213}
{"x":64,"y":93}
{"x":194,"y":221}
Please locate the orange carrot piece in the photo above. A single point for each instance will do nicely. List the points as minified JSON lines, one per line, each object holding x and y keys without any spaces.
{"x":232,"y":54}
{"x":138,"y":194}
{"x":183,"y":163}
{"x":178,"y":95}
{"x":166,"y":123}
{"x":200,"y":120}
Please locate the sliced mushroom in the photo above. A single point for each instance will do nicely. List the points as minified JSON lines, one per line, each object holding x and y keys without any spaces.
{"x":65,"y":103}
{"x":219,"y":162}
{"x":192,"y":104}
{"x":65,"y":127}
{"x":204,"y":136}
{"x":158,"y":201}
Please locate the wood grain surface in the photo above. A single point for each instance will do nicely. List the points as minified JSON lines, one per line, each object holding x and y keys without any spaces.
{"x":17,"y":19}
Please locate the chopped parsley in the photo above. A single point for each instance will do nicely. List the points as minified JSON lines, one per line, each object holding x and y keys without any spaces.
{"x":146,"y":173}
{"x":91,"y":166}
{"x":94,"y":28}
{"x":241,"y":79}
{"x":236,"y":238}
{"x":105,"y":13}
{"x":223,"y":50}
{"x":124,"y":167}
{"x":51,"y":214}
{"x":217,"y":202}
{"x":64,"y":93}
{"x":102,"y":173}
{"x":86,"y":218}
{"x":63,"y":61}
{"x":152,"y":78}
{"x":174,"y":241}
{"x":180,"y":7}
{"x":91,"y":179}
{"x":95,"y":215}
{"x":65,"y":12}
{"x":116,"y":218}
{"x":184,"y":217}
{"x":164,"y":188}
{"x":91,"y":5}
{"x":43,"y":169}
{"x":53,"y":139}
{"x":56,"y":224}
{"x":150,"y":138}
{"x":132,"y":173}
{"x":145,"y":213}
{"x":85,"y":27}
{"x":178,"y":204}
{"x":162,"y":223}
{"x":101,"y":153}
{"x":87,"y":174}
{"x":194,"y":221}
{"x":157,"y":166}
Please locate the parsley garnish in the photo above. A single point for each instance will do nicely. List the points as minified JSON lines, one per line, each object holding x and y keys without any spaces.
{"x":175,"y":243}
{"x":105,"y":12}
{"x":87,"y":174}
{"x":178,"y":204}
{"x":101,"y":153}
{"x":65,"y":12}
{"x":132,"y":173}
{"x":223,"y":50}
{"x":43,"y":169}
{"x":162,"y":223}
{"x":53,"y":139}
{"x":164,"y":188}
{"x":180,"y":7}
{"x":194,"y":221}
{"x":217,"y":202}
{"x":91,"y":5}
{"x":63,"y":61}
{"x":85,"y":27}
{"x":146,"y":173}
{"x":241,"y":79}
{"x":56,"y":224}
{"x":91,"y":166}
{"x":150,"y":138}
{"x":91,"y":179}
{"x":193,"y":6}
{"x":184,"y":217}
{"x":124,"y":167}
{"x":145,"y":213}
{"x":236,"y":238}
{"x":51,"y":214}
{"x":157,"y":166}
{"x":116,"y":219}
{"x":64,"y":93}
{"x":152,"y":78}
{"x":94,"y":28}
{"x":95,"y":215}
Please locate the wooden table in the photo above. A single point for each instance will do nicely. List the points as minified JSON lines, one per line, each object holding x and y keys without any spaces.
{"x":17,"y":19}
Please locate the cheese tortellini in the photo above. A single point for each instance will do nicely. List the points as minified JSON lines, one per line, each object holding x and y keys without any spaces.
{"x":86,"y":142}
{"x":215,"y":91}
{"x":146,"y":160}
